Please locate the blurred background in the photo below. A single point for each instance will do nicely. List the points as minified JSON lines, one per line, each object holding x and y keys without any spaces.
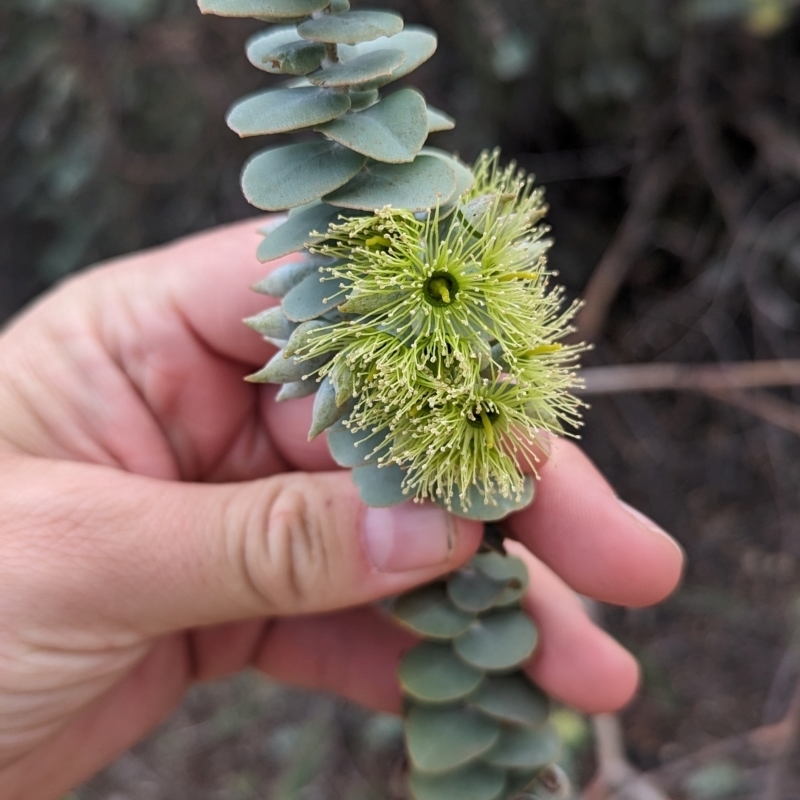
{"x":668,"y":136}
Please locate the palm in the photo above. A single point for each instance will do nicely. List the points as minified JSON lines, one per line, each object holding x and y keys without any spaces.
{"x":171,"y":407}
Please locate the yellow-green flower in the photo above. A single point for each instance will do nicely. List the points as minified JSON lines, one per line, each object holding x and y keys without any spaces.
{"x":449,"y":341}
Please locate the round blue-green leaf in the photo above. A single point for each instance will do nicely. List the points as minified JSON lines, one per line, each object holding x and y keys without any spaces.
{"x":296,"y":232}
{"x":298,"y":58}
{"x":380,"y":487}
{"x":464,"y":176}
{"x":340,"y":6}
{"x":432,"y":673}
{"x":281,"y":110}
{"x":417,"y":186}
{"x":285,"y":54}
{"x":498,"y":642}
{"x":439,"y":121}
{"x":353,"y":27}
{"x":429,"y":612}
{"x":474,"y":782}
{"x":416,"y":42}
{"x":525,"y":748}
{"x":311,"y":298}
{"x":266,"y":10}
{"x":362,"y":100}
{"x":512,"y":699}
{"x":504,"y":568}
{"x":359,"y":70}
{"x":393,"y":131}
{"x":354,"y":449}
{"x":472,"y":591}
{"x":441,"y":740}
{"x":286,"y":177}
{"x":478,"y":508}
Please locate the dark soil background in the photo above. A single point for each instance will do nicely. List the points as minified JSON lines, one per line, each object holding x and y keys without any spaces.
{"x":668,"y":137}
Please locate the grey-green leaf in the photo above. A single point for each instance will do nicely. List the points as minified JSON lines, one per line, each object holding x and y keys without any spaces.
{"x":362,"y":100}
{"x":417,"y":186}
{"x":432,"y":673}
{"x":296,"y":390}
{"x":513,"y":699}
{"x":472,"y":591}
{"x":353,"y":27}
{"x":286,"y":177}
{"x":287,"y":370}
{"x":478,"y":509}
{"x":360,"y":70}
{"x":504,"y":568}
{"x":479,"y":212}
{"x":273,"y":325}
{"x":353,"y":449}
{"x":365,"y":304}
{"x":525,"y":748}
{"x":418,"y":44}
{"x":295,"y":58}
{"x":380,"y":487}
{"x":301,"y":336}
{"x":296,"y":232}
{"x":343,"y":381}
{"x":439,"y":121}
{"x":441,"y":740}
{"x":281,"y":110}
{"x":280,"y":52}
{"x":474,"y":782}
{"x":266,"y":10}
{"x":464,"y":176}
{"x":310,"y":299}
{"x":393,"y":131}
{"x":340,"y":6}
{"x":262,"y":46}
{"x":282,"y":280}
{"x":326,"y":412}
{"x":429,"y":612}
{"x":498,"y":642}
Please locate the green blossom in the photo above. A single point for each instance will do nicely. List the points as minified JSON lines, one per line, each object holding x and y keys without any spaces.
{"x":449,"y":342}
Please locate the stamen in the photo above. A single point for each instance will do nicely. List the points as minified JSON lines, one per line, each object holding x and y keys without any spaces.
{"x":488,"y":429}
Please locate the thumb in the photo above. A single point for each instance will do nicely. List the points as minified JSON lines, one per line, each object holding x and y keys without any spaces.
{"x":85,"y":544}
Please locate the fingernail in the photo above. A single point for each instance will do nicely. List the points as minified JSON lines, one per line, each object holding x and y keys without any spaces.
{"x":649,"y":525}
{"x":408,"y":537}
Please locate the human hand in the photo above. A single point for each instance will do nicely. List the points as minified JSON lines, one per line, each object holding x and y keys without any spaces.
{"x":165,"y":522}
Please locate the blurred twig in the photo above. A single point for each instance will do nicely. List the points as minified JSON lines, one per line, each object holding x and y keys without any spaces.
{"x":767,"y":743}
{"x":647,"y":197}
{"x":709,"y":378}
{"x":616,"y":779}
{"x":723,"y":382}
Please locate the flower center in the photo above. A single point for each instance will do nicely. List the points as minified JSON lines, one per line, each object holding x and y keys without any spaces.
{"x":441,"y":289}
{"x":485,"y":419}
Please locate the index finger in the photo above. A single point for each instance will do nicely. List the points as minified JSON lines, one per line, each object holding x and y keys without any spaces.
{"x":208,"y":278}
{"x":601,"y":547}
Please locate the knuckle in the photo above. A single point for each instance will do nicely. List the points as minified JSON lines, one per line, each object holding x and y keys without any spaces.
{"x":287,"y":553}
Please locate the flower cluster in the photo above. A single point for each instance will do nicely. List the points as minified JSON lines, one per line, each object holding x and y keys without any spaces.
{"x":449,"y":339}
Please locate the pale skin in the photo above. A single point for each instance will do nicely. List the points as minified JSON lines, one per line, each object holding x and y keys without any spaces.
{"x":165,"y":522}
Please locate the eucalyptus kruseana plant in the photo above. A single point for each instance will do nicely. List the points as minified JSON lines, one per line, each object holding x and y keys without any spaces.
{"x":420,"y":313}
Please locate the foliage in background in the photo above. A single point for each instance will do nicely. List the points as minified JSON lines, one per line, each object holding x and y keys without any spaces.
{"x":668,"y":135}
{"x":110,"y":131}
